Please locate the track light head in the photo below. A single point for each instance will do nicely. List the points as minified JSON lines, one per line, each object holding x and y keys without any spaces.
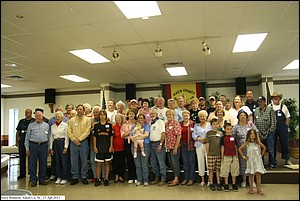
{"x":205,"y":49}
{"x":158,"y":51}
{"x":115,"y":55}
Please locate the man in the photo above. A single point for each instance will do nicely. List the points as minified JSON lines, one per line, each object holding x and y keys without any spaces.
{"x":20,"y":140}
{"x":161,"y":109}
{"x":78,"y":132}
{"x":37,"y":146}
{"x":282,"y":124}
{"x":250,"y":102}
{"x":223,"y":99}
{"x":171,"y":104}
{"x":265,"y":121}
{"x":212,"y":105}
{"x":202,"y":103}
{"x":178,"y":110}
{"x":157,"y":148}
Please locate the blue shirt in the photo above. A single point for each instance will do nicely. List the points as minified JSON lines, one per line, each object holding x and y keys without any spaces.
{"x":146,"y":128}
{"x":200,"y":132}
{"x":37,"y":132}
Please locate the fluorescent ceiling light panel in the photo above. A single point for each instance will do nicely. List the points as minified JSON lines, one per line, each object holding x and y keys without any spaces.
{"x":90,"y":56}
{"x":5,"y":86}
{"x":293,"y":65}
{"x":74,"y":78}
{"x":177,"y":71}
{"x":248,"y":42}
{"x":138,"y":9}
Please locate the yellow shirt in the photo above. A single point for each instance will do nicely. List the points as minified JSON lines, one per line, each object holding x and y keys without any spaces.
{"x":79,"y":127}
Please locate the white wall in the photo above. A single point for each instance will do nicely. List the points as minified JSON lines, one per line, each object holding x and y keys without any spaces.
{"x":288,"y":91}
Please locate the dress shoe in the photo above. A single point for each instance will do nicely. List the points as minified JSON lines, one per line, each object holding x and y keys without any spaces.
{"x":33,"y":184}
{"x":85,"y":181}
{"x":21,"y":177}
{"x":74,"y":181}
{"x":173,"y":184}
{"x":43,"y":183}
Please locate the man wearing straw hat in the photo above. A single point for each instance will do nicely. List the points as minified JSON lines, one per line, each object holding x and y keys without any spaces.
{"x":282,"y":123}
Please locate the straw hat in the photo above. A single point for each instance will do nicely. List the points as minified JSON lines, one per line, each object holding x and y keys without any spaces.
{"x":276,"y":94}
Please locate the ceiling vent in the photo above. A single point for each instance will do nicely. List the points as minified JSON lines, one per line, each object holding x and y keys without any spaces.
{"x":15,"y":77}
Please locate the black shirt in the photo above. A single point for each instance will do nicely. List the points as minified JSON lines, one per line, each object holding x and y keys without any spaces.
{"x":22,"y":126}
{"x":103,"y":134}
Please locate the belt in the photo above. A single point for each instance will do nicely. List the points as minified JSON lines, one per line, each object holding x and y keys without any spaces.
{"x":155,"y":141}
{"x":38,"y":142}
{"x":59,"y":139}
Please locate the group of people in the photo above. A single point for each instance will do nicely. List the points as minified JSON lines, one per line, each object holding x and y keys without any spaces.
{"x":219,"y":137}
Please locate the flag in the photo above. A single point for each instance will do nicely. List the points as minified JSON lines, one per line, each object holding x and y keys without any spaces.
{"x":103,"y":101}
{"x":268,"y":92}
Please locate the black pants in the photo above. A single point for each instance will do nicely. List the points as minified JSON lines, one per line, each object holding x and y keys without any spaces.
{"x":130,"y":161}
{"x":118,"y":163}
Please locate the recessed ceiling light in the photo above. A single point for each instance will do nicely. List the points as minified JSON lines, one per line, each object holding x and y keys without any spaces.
{"x":248,"y":42}
{"x":293,"y":65}
{"x":11,"y":65}
{"x":177,"y":71}
{"x":90,"y":56}
{"x":74,"y":78}
{"x":5,"y":86}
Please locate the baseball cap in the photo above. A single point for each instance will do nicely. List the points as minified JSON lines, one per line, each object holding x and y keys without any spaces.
{"x":261,"y":98}
{"x":212,"y":97}
{"x":133,"y":100}
{"x":201,"y":98}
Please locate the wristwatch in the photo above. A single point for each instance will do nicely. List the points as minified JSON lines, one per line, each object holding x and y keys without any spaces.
{"x":160,"y":144}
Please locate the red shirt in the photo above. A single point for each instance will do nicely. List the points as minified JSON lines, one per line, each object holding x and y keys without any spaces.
{"x":184,"y":134}
{"x":118,"y":141}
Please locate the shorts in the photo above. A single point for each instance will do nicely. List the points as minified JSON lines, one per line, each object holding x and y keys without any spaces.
{"x":101,"y":157}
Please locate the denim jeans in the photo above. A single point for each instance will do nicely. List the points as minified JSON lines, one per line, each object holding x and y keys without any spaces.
{"x":189,"y":162}
{"x":157,"y":161}
{"x":81,"y":151}
{"x":60,"y":158}
{"x":174,"y":161}
{"x":142,"y":163}
{"x":269,"y":143}
{"x":38,"y":152}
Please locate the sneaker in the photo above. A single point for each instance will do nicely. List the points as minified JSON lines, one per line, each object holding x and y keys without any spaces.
{"x":226,"y":187}
{"x":97,"y":183}
{"x":243,"y":184}
{"x":130,"y":181}
{"x":254,"y":184}
{"x":162,"y":182}
{"x":272,"y":167}
{"x":58,"y":181}
{"x":288,"y":162}
{"x":235,"y":187}
{"x":202,"y":184}
{"x":64,"y":181}
{"x":135,"y":181}
{"x":219,"y":187}
{"x":74,"y":181}
{"x":143,"y":154}
{"x":212,"y":187}
{"x":208,"y":184}
{"x":134,"y":155}
{"x":138,"y":183}
{"x":106,"y":182}
{"x":155,"y":181}
{"x":146,"y":183}
{"x":85,"y":181}
{"x":52,"y":177}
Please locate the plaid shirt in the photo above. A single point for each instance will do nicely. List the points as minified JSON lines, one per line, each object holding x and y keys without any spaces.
{"x":190,"y":140}
{"x":265,"y":121}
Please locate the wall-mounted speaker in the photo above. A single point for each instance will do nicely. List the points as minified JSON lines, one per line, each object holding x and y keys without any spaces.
{"x":50,"y":96}
{"x":130,"y":91}
{"x":240,"y":86}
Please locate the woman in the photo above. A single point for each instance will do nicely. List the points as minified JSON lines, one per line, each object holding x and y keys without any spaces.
{"x":220,"y":114}
{"x":237,"y":105}
{"x":118,"y":162}
{"x":145,"y":110}
{"x":125,"y":133}
{"x":59,"y":143}
{"x":142,"y":161}
{"x":69,"y":108}
{"x":173,"y":137}
{"x":199,"y":134}
{"x":227,"y":116}
{"x":187,"y":149}
{"x":239,"y":131}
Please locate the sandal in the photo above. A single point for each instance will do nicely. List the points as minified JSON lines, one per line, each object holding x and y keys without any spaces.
{"x":184,"y":182}
{"x":260,"y":192}
{"x":251,"y":191}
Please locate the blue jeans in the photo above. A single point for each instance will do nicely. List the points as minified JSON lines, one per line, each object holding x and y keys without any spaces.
{"x":157,"y":161}
{"x":269,"y":142}
{"x":174,"y":161}
{"x":60,"y":158}
{"x":81,"y":151}
{"x":142,"y":163}
{"x":38,"y":152}
{"x":189,"y":161}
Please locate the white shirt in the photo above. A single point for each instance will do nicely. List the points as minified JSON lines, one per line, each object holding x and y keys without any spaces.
{"x":112,"y":116}
{"x":156,"y":130}
{"x":235,"y":112}
{"x":285,"y":110}
{"x":60,"y":131}
{"x":162,"y":114}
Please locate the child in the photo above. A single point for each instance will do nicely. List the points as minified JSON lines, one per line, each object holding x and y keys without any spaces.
{"x":229,"y":158}
{"x":137,"y":131}
{"x":254,"y":159}
{"x":213,"y":150}
{"x":103,"y":146}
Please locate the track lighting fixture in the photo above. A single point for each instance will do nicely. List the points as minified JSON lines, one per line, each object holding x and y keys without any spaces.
{"x":158,"y":51}
{"x":115,"y":55}
{"x":205,"y":49}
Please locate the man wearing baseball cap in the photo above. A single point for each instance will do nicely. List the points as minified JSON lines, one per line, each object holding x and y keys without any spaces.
{"x":265,"y":121}
{"x":282,"y":124}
